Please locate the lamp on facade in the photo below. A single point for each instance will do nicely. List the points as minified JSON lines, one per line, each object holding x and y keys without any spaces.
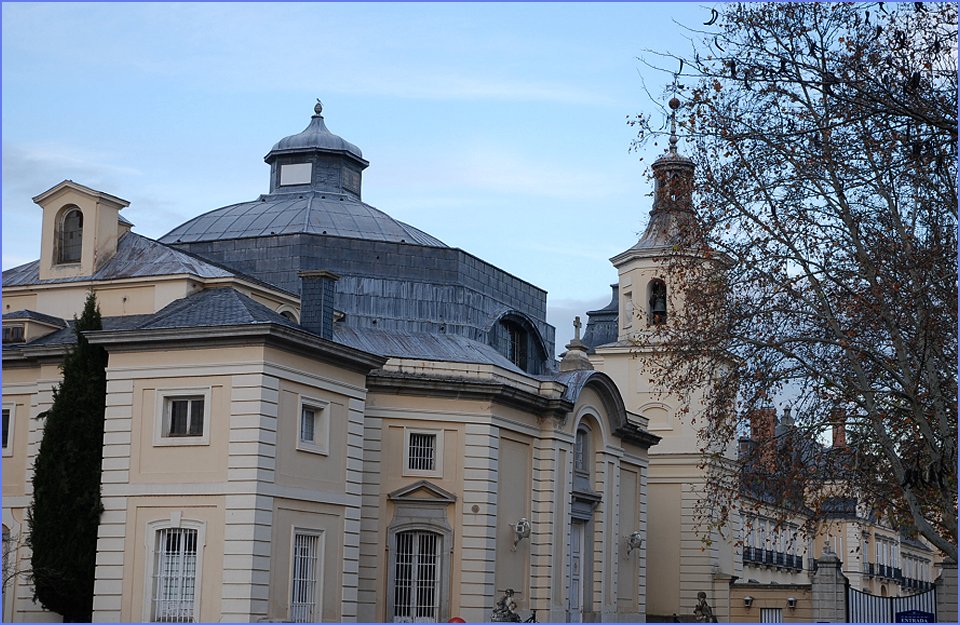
{"x":634,"y":541}
{"x":521,"y":530}
{"x":791,"y":602}
{"x":747,"y":602}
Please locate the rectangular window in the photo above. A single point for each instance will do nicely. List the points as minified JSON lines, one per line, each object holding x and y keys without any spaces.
{"x":304,"y":586}
{"x":295,"y":173}
{"x":184,"y":416}
{"x":13,"y":333}
{"x":308,"y":425}
{"x":580,"y":451}
{"x":422,"y":454}
{"x":174,"y":576}
{"x":416,"y":596}
{"x":771,"y":615}
{"x":314,"y":427}
{"x":6,"y":428}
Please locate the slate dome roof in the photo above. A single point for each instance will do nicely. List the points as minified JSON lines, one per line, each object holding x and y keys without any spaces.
{"x":315,"y":136}
{"x":310,"y":212}
{"x":318,"y":208}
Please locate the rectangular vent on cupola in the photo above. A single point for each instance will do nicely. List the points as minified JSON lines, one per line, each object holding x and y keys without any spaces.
{"x":295,"y":173}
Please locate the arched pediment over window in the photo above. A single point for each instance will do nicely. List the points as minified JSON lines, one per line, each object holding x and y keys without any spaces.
{"x":615,"y":413}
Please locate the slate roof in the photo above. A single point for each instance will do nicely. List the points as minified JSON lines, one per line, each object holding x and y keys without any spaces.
{"x":137,"y":256}
{"x":213,"y":307}
{"x":67,"y":336}
{"x":208,"y":308}
{"x":226,"y":306}
{"x":312,"y":212}
{"x":33,"y":315}
{"x":602,"y":324}
{"x":315,"y":136}
{"x":422,"y":346}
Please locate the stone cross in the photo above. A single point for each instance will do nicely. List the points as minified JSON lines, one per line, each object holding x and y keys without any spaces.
{"x":576,"y":328}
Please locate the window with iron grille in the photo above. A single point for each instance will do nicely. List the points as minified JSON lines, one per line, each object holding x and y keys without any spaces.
{"x":183,"y":416}
{"x":304,"y":579}
{"x":174,"y":594}
{"x":771,"y":615}
{"x":422,"y":453}
{"x":417,"y":577}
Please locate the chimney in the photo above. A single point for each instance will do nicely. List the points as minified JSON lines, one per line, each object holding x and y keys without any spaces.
{"x":316,"y":301}
{"x":838,"y":419}
{"x":763,"y":423}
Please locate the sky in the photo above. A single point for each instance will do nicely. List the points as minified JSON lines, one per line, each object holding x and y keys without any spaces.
{"x":500,"y":129}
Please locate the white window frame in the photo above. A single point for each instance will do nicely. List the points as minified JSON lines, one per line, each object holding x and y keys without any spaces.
{"x":318,"y":586}
{"x":8,"y":448}
{"x":437,"y":470}
{"x":321,"y":426}
{"x":161,"y":417}
{"x":176,"y":521}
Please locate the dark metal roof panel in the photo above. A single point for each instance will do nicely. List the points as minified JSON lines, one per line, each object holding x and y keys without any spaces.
{"x":422,"y":346}
{"x":311,"y":212}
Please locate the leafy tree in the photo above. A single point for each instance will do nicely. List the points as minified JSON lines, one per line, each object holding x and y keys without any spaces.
{"x":66,"y":507}
{"x":825,"y":139}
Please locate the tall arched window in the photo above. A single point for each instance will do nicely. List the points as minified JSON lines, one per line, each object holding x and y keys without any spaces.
{"x":516,"y":345}
{"x":658,"y":302}
{"x":71,"y":236}
{"x":417,"y":576}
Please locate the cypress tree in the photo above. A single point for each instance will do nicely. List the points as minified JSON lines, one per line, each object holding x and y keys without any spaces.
{"x":66,"y":507}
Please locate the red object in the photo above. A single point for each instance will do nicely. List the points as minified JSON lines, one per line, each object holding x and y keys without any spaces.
{"x":456,"y":619}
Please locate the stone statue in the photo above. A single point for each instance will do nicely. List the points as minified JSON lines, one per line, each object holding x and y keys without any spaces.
{"x":703,"y":612}
{"x":506,"y":609}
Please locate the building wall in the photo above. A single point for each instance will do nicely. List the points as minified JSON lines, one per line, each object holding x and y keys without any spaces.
{"x":771,"y":598}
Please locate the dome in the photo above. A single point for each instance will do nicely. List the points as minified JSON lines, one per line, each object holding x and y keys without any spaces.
{"x":310,"y":212}
{"x":315,"y":137}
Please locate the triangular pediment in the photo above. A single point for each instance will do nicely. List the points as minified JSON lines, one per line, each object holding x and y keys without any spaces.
{"x":422,"y":492}
{"x":68,"y":186}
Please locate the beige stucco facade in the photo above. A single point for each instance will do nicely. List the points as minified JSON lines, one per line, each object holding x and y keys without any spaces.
{"x":249,"y":498}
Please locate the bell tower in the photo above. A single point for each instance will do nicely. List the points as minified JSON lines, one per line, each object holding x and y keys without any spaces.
{"x":650,"y":299}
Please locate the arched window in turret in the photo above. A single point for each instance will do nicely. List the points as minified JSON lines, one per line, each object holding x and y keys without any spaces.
{"x":658,"y":302}
{"x":70,"y":240}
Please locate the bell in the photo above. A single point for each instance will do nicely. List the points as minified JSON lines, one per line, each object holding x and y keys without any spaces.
{"x":659,"y":306}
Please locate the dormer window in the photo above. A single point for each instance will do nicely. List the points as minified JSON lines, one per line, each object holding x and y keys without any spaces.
{"x":658,"y":302}
{"x":70,"y":241}
{"x":516,"y":345}
{"x":13,"y":333}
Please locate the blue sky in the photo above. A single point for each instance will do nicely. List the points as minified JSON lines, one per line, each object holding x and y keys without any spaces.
{"x":498,"y":128}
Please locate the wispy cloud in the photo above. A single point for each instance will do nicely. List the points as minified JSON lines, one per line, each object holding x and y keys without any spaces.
{"x":31,"y":169}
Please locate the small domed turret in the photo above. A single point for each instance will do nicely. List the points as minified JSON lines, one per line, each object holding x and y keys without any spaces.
{"x":315,"y":159}
{"x":315,"y":136}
